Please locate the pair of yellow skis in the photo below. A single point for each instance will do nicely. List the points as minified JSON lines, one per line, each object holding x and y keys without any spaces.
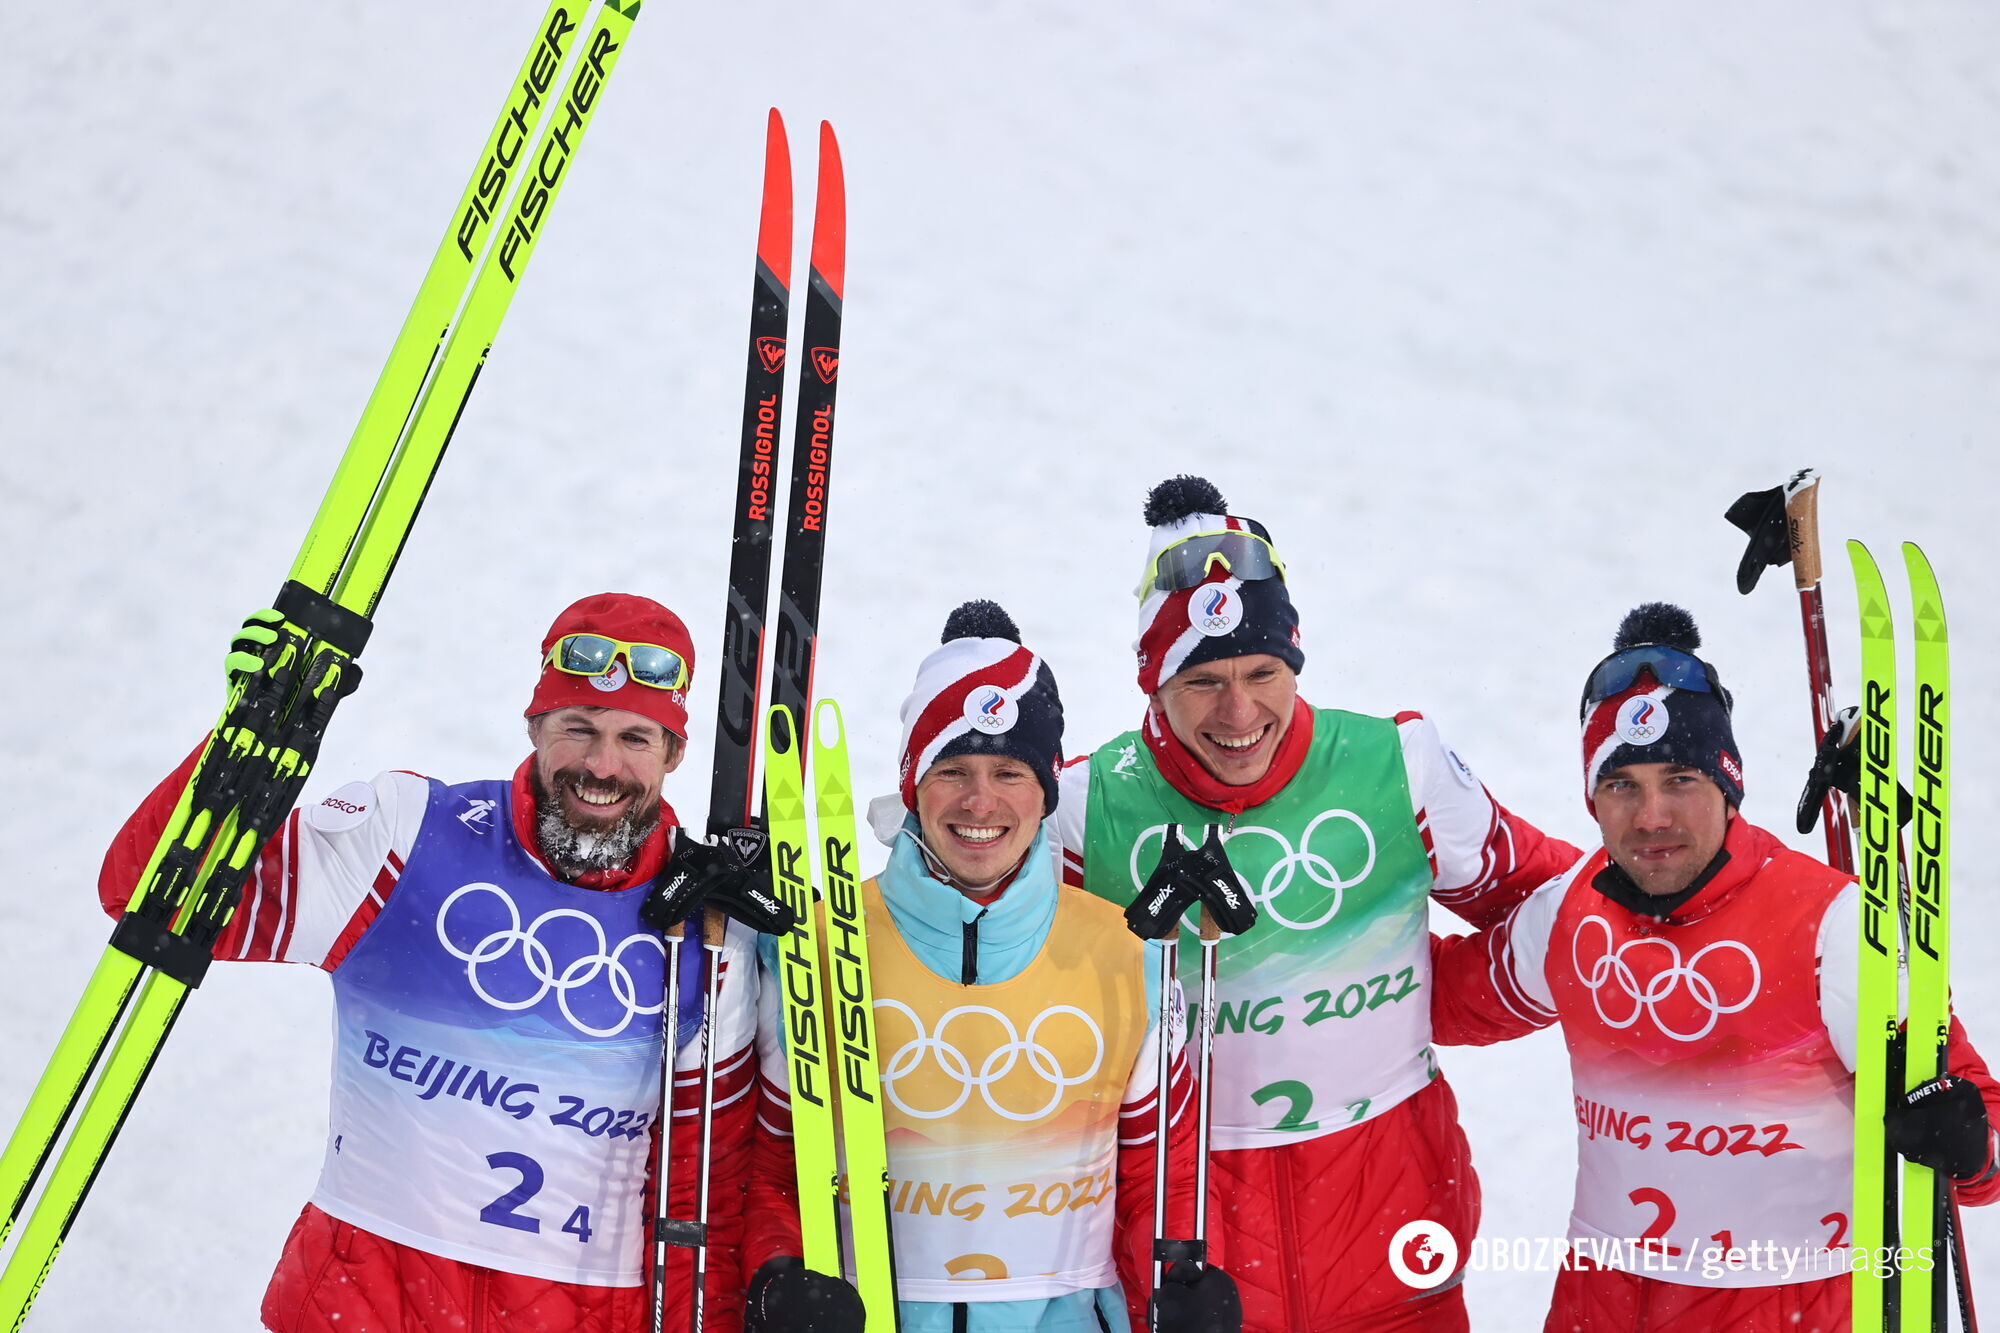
{"x":835,"y":1068}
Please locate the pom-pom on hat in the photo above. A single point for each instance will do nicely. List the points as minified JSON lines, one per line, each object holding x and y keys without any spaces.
{"x":982,"y":693}
{"x":1652,"y":701}
{"x":1222,"y":615}
{"x":630,"y":619}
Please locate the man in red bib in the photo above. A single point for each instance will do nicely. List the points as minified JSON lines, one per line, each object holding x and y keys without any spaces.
{"x":1704,"y":976}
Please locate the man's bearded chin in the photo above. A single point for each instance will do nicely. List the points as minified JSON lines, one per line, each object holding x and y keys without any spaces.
{"x":575,"y":849}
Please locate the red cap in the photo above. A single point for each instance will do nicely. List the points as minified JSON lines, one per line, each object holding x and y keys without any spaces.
{"x":616,"y":615}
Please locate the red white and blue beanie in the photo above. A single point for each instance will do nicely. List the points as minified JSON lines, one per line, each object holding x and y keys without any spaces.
{"x":632,"y":619}
{"x":1651,"y":723}
{"x":1221,"y":617}
{"x":982,"y":693}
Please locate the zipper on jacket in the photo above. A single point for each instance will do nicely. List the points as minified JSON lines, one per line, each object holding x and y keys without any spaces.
{"x":1296,"y":1314}
{"x":477,"y":1321}
{"x":968,"y":972}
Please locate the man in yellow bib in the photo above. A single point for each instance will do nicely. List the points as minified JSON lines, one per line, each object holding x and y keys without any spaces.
{"x":1017,"y":1024}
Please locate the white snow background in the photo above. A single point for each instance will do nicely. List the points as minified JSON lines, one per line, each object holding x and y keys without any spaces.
{"x":1489,"y":311}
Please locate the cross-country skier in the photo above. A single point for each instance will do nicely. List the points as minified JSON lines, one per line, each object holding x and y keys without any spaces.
{"x":1334,"y":1131}
{"x":1015,"y":1021}
{"x":1704,"y":976}
{"x":497,"y":1052}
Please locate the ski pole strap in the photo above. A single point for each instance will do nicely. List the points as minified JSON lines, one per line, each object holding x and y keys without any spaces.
{"x":153,"y":944}
{"x":686,"y":1233}
{"x":323,"y":617}
{"x":1173,"y":1251}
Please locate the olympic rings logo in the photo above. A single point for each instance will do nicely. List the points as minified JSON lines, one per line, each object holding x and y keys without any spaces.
{"x":1612,"y":965}
{"x":579,"y":971}
{"x":999,"y":1061}
{"x":1318,"y":869}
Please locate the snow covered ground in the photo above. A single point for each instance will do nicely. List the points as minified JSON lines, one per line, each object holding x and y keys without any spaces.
{"x":1488,"y":311}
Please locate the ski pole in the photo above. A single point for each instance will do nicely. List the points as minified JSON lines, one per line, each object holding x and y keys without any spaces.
{"x":1211,"y":939}
{"x":713,"y":925}
{"x":1162,"y":1092}
{"x":666,"y":1231}
{"x":1783,"y":527}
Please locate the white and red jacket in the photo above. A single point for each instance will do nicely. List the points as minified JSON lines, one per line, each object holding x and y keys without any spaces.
{"x":444,"y":1043}
{"x":1712,"y":1057}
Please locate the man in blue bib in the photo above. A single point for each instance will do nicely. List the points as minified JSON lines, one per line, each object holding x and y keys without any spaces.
{"x":496,"y":1071}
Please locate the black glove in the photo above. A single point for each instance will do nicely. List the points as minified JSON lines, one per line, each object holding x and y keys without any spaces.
{"x":788,"y":1297}
{"x":1837,"y":767}
{"x":1194,"y":1299}
{"x":1942,"y":1125}
{"x":732,"y":873}
{"x":1183,"y":876}
{"x":1761,"y":514}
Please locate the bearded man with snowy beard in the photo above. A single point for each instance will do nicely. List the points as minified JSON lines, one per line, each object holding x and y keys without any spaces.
{"x":1336,"y":1138}
{"x":498,"y":1003}
{"x":1704,"y":975}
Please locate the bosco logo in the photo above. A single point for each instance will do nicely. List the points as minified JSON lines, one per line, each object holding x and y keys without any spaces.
{"x":1642,"y":721}
{"x":1215,"y":610}
{"x":991,"y":710}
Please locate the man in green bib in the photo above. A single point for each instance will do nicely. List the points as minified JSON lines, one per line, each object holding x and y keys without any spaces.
{"x":1342,"y":1190}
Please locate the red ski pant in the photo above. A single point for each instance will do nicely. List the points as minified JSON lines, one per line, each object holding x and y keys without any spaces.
{"x":1304,"y":1229}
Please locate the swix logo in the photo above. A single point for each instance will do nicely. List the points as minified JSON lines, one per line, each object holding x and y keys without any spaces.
{"x":771,"y":352}
{"x":479,"y":814}
{"x":826,"y":363}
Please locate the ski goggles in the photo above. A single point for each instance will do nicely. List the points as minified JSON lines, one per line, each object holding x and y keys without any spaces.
{"x":1187,"y":562}
{"x":1669,"y":666}
{"x":593,"y":655}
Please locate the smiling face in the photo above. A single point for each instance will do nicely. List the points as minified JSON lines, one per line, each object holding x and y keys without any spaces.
{"x":1231,"y":714}
{"x":598,"y":773}
{"x":1662,"y":823}
{"x":979,"y":813}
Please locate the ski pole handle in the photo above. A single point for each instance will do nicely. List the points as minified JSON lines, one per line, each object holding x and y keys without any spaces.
{"x":1802,"y":530}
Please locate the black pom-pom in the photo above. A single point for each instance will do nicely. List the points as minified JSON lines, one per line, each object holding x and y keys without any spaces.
{"x":1177,"y":497}
{"x":980,"y":620}
{"x":1657,"y":622}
